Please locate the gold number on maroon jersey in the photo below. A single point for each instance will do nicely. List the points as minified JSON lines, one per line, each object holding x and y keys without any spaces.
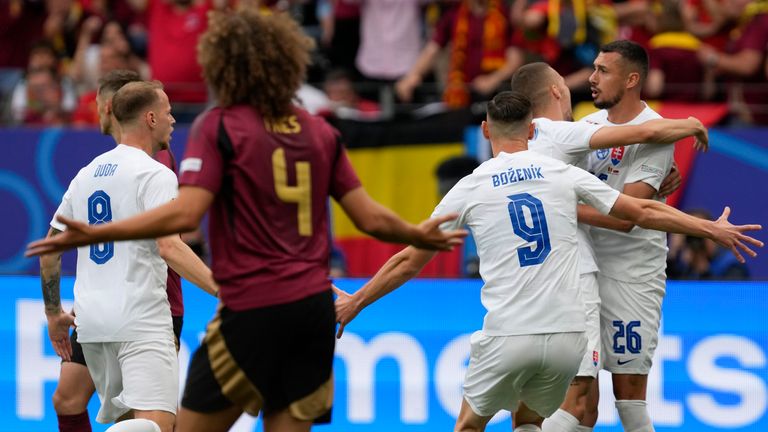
{"x":301,"y":194}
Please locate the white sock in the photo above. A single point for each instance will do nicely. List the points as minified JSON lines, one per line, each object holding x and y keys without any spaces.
{"x":581,"y":428}
{"x":634,"y":416}
{"x":527,"y":428}
{"x":560,"y":421}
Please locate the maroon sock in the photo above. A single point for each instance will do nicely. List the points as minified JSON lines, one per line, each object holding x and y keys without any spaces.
{"x":75,"y":423}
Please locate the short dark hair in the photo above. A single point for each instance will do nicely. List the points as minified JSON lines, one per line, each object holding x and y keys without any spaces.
{"x":116,"y":79}
{"x":129,"y":102}
{"x":509,"y":107}
{"x":633,"y":53}
{"x":532,"y":81}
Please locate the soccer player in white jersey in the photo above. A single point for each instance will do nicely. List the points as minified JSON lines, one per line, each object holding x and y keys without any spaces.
{"x":556,"y":135}
{"x":631,"y":260}
{"x":122,"y":312}
{"x":521,"y":207}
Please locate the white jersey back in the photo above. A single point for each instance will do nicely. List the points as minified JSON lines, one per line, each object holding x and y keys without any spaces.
{"x":568,"y":142}
{"x":120,"y":286}
{"x":640,"y":254}
{"x":521,"y":209}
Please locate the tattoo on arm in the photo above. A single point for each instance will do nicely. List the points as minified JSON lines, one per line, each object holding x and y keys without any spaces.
{"x":50,"y":277}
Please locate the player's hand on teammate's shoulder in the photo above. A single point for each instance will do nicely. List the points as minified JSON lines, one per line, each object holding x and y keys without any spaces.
{"x":76,"y":234}
{"x":58,"y":331}
{"x":430,"y":236}
{"x":701,"y":138}
{"x":733,"y":238}
{"x":346,"y":309}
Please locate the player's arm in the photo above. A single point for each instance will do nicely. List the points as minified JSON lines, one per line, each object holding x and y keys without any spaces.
{"x":656,"y":215}
{"x":59,"y":320}
{"x":591,"y":216}
{"x":657,"y":131}
{"x":183,"y":214}
{"x":402,"y":267}
{"x":382,"y":223}
{"x":180,"y":257}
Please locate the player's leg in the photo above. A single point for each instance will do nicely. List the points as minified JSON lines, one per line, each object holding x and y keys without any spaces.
{"x":590,"y":414}
{"x":135,"y":425}
{"x":631,"y":315}
{"x":573,"y":409}
{"x":150,"y":380}
{"x":469,"y":421}
{"x":547,"y":388}
{"x":73,"y":392}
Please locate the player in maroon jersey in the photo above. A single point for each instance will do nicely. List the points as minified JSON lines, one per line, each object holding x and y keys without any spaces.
{"x":265,"y":169}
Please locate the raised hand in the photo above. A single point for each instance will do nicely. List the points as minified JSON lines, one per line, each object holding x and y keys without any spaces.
{"x":76,"y":234}
{"x":731,"y":236}
{"x":430,"y":236}
{"x":701,"y":138}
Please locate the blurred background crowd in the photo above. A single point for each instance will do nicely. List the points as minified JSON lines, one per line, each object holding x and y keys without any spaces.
{"x":377,"y":58}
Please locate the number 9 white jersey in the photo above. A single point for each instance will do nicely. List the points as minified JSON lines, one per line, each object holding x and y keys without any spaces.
{"x":521,"y":209}
{"x":120,"y":286}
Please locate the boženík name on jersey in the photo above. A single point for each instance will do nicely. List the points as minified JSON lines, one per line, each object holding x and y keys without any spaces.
{"x":514,"y":175}
{"x":105,"y":170}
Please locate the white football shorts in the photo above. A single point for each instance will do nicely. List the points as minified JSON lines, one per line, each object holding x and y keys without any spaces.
{"x":590,"y":295}
{"x":151,"y":371}
{"x":535,"y":369}
{"x":630,"y":315}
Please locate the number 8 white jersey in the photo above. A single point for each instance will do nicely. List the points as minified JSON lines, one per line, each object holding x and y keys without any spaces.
{"x":120,"y":286}
{"x":521,"y":209}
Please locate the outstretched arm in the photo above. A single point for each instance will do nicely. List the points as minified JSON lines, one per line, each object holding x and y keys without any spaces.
{"x":59,"y":321}
{"x":378,"y":221}
{"x":186,"y":263}
{"x":657,"y":131}
{"x":402,"y":267}
{"x":652,"y":214}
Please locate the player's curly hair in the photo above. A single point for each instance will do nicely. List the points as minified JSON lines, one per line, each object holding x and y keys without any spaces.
{"x":254,"y":59}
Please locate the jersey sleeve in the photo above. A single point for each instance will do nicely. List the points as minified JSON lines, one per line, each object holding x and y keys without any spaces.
{"x":65,"y":209}
{"x":344,"y":176}
{"x":202,"y":165}
{"x":572,"y":138}
{"x":592,"y":191}
{"x":455,"y":201}
{"x":651,"y":164}
{"x":159,"y":188}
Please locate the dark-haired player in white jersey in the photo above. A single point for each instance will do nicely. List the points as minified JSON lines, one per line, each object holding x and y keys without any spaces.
{"x":521,"y":207}
{"x":556,"y":135}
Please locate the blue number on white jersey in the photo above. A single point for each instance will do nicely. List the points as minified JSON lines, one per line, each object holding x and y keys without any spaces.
{"x":100,"y":211}
{"x":538,"y":232}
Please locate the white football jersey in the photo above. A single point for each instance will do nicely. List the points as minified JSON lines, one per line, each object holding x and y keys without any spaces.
{"x":640,"y":254}
{"x":568,"y":142}
{"x":120,"y":286}
{"x":521,"y":209}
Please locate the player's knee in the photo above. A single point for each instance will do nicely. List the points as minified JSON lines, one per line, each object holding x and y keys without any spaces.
{"x":66,"y":403}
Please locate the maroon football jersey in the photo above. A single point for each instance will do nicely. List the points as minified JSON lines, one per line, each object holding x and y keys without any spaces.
{"x":173,"y":288}
{"x":268,"y":224}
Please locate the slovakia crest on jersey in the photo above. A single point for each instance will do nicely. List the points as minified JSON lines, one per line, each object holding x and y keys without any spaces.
{"x":595,"y":357}
{"x":616,"y":155}
{"x":602,"y":154}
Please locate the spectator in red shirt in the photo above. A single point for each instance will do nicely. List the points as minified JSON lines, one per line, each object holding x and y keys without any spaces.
{"x":174,"y":27}
{"x":482,"y":57}
{"x":344,"y":99}
{"x":743,"y":61}
{"x":675,"y":73}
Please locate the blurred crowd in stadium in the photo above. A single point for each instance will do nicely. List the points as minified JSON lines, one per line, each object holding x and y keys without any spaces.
{"x":376,"y":56}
